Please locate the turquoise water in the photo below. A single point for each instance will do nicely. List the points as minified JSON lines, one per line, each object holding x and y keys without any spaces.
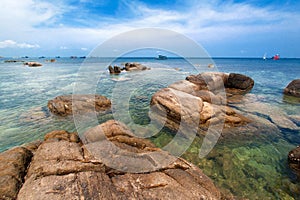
{"x":253,"y":166}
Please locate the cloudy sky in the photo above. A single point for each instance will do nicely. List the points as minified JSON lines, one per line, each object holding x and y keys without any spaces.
{"x":233,"y":28}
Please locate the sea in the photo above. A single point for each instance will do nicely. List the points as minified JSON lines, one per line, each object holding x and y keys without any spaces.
{"x":252,"y":167}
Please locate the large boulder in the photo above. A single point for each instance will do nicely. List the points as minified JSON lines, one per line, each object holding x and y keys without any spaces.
{"x":64,"y":168}
{"x":218,"y":82}
{"x":198,"y":102}
{"x":78,"y":104}
{"x":293,"y":88}
{"x":13,"y":166}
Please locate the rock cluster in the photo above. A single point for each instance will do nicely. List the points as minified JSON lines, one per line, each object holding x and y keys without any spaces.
{"x":77,"y":104}
{"x":128,"y":67}
{"x":293,"y":88}
{"x":63,"y":168}
{"x":200,"y":101}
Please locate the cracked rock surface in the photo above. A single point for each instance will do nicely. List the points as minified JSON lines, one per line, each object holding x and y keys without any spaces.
{"x":63,"y":167}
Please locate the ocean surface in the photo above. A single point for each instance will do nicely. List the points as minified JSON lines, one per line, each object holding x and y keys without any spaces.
{"x":253,"y":167}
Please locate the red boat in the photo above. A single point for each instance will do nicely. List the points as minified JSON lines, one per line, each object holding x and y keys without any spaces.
{"x":276,"y":57}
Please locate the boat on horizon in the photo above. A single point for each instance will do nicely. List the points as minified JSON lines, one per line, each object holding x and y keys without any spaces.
{"x":276,"y":57}
{"x":162,"y":57}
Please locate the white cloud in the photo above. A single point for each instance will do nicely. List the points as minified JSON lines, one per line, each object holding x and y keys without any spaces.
{"x":84,"y":49}
{"x":211,"y":22}
{"x":13,"y":44}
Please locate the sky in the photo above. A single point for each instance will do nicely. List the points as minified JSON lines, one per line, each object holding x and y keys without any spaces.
{"x":233,"y":28}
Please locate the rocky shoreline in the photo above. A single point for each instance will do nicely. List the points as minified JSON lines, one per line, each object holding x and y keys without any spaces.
{"x":64,"y":166}
{"x":61,"y":167}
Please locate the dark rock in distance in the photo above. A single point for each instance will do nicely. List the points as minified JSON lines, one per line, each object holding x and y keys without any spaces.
{"x":33,"y":64}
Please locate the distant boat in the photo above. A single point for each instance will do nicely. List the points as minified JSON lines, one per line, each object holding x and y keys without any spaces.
{"x":161,"y":57}
{"x":276,"y":57}
{"x":265,"y":56}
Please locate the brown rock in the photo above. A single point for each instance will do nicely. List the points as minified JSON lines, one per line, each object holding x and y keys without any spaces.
{"x":135,"y":67}
{"x":63,"y":105}
{"x":13,"y":165}
{"x":294,"y":160}
{"x":293,"y":88}
{"x":63,"y":168}
{"x":33,"y":64}
{"x":238,"y":83}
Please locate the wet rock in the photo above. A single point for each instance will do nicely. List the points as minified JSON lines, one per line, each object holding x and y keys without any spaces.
{"x":36,"y":115}
{"x":65,"y":168}
{"x":77,"y":104}
{"x":294,"y":160}
{"x":13,"y":166}
{"x":293,"y":88}
{"x":238,"y":83}
{"x":175,"y":108}
{"x":114,"y":70}
{"x":275,"y":115}
{"x":135,"y":67}
{"x":33,"y":64}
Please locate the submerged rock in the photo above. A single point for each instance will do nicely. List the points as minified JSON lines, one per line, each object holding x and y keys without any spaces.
{"x":63,"y":105}
{"x":293,"y":88}
{"x":64,"y":168}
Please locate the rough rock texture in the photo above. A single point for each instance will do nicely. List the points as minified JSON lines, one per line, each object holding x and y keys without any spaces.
{"x":62,"y":105}
{"x":294,"y":160}
{"x":200,"y":101}
{"x":13,"y":166}
{"x":293,"y":88}
{"x":217,"y":81}
{"x":64,"y":168}
{"x":128,"y":67}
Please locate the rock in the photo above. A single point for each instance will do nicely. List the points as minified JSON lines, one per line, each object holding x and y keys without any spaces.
{"x":294,"y":156}
{"x":13,"y":166}
{"x":212,"y":81}
{"x":62,"y":105}
{"x":33,"y":64}
{"x":274,"y":114}
{"x":294,"y":160}
{"x":238,"y":83}
{"x":176,"y":108}
{"x":13,"y":61}
{"x":135,"y":67}
{"x":114,"y":70}
{"x":220,"y":82}
{"x":128,"y":67}
{"x":293,"y":88}
{"x":64,"y":168}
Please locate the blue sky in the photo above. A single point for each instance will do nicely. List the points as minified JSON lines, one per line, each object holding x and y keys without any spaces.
{"x":234,"y":28}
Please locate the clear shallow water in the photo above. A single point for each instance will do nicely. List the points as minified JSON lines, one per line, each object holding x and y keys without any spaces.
{"x":254,"y":168}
